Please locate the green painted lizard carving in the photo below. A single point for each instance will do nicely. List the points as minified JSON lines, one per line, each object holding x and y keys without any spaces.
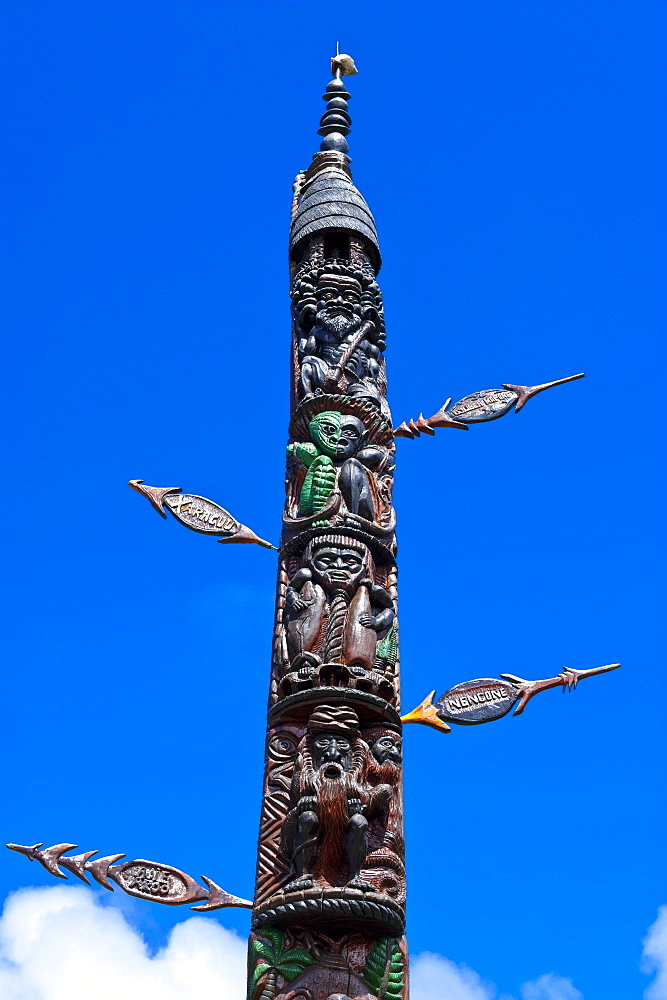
{"x":336,"y":456}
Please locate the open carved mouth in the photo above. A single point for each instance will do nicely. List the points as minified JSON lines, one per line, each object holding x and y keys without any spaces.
{"x":333,"y":772}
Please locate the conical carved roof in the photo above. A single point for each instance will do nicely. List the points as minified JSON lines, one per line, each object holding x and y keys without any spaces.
{"x":328,"y":199}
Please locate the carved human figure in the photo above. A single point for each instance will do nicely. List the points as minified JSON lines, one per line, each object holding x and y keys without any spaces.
{"x":387,"y":750}
{"x":334,"y":349}
{"x":325,"y":831}
{"x":337,"y":455}
{"x":334,"y":610}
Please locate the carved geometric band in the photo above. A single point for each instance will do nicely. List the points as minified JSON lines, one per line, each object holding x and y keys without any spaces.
{"x":371,"y":910}
{"x":379,"y":428}
{"x":295,"y":546}
{"x":368,"y":706}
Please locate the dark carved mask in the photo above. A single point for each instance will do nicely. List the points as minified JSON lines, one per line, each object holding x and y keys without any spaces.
{"x":331,"y":753}
{"x":338,"y":310}
{"x":387,"y":747}
{"x":350,"y":438}
{"x":337,"y":568}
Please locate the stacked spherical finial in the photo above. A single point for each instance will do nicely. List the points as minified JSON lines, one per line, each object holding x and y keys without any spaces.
{"x":335,"y":122}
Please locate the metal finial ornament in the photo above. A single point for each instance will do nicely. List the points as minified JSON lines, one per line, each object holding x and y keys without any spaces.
{"x":335,"y":123}
{"x":328,"y":914}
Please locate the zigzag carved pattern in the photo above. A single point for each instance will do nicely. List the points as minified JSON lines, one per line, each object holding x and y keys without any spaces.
{"x":271,"y":868}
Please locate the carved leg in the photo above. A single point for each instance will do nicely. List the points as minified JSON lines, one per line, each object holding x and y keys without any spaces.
{"x":304,"y":851}
{"x":353,"y":484}
{"x":356,"y":848}
{"x":313,"y":374}
{"x":306,"y":378}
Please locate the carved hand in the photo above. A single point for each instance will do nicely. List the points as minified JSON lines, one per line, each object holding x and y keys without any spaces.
{"x":307,"y":803}
{"x":299,"y":604}
{"x":355,"y":520}
{"x":383,"y":794}
{"x":354,"y":806}
{"x":368,"y":621}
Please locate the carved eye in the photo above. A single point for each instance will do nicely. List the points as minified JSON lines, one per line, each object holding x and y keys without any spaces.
{"x":329,"y":295}
{"x":282,"y":746}
{"x":350,"y":298}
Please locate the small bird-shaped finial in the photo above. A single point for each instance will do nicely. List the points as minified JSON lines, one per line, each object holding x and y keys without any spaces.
{"x":342,"y":63}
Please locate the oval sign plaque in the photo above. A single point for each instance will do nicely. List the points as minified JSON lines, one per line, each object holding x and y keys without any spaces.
{"x":483,"y":700}
{"x":489,"y":404}
{"x":201,"y":514}
{"x":160,"y":883}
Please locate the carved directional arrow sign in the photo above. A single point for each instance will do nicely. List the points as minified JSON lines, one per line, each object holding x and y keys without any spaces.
{"x":198,"y":514}
{"x":144,"y":879}
{"x":479,"y":407}
{"x":487,"y":699}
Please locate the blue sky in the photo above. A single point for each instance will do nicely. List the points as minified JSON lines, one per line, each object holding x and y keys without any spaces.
{"x":513,"y":157}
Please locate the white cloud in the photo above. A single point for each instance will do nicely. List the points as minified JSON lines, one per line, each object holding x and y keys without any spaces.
{"x":60,"y":943}
{"x":550,"y":987}
{"x":433,"y":977}
{"x":655,"y":957}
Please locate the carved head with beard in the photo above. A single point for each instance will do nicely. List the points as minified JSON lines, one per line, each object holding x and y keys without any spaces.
{"x":333,"y":759}
{"x":338,"y":309}
{"x":386,"y":748}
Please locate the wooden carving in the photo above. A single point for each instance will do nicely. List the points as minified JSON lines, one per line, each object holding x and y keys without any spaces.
{"x":329,"y":910}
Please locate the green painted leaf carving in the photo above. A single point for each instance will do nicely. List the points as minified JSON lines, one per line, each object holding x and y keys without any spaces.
{"x":384,"y":969}
{"x":257,"y":975}
{"x":261,"y":950}
{"x":290,"y":972}
{"x":288,"y":964}
{"x":275,"y":936}
{"x":297,"y":955}
{"x":388,"y":648}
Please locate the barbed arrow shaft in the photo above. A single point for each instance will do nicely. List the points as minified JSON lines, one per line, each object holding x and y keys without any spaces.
{"x":150,"y":880}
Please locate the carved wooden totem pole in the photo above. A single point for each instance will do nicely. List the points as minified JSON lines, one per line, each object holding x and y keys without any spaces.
{"x":328,"y":916}
{"x":329,"y":910}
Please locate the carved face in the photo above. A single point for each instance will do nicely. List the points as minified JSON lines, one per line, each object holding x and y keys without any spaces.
{"x":325,"y":431}
{"x":350,"y":437}
{"x":338,"y":309}
{"x":337,"y":567}
{"x":387,"y":747}
{"x":332,"y":754}
{"x":337,"y":436}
